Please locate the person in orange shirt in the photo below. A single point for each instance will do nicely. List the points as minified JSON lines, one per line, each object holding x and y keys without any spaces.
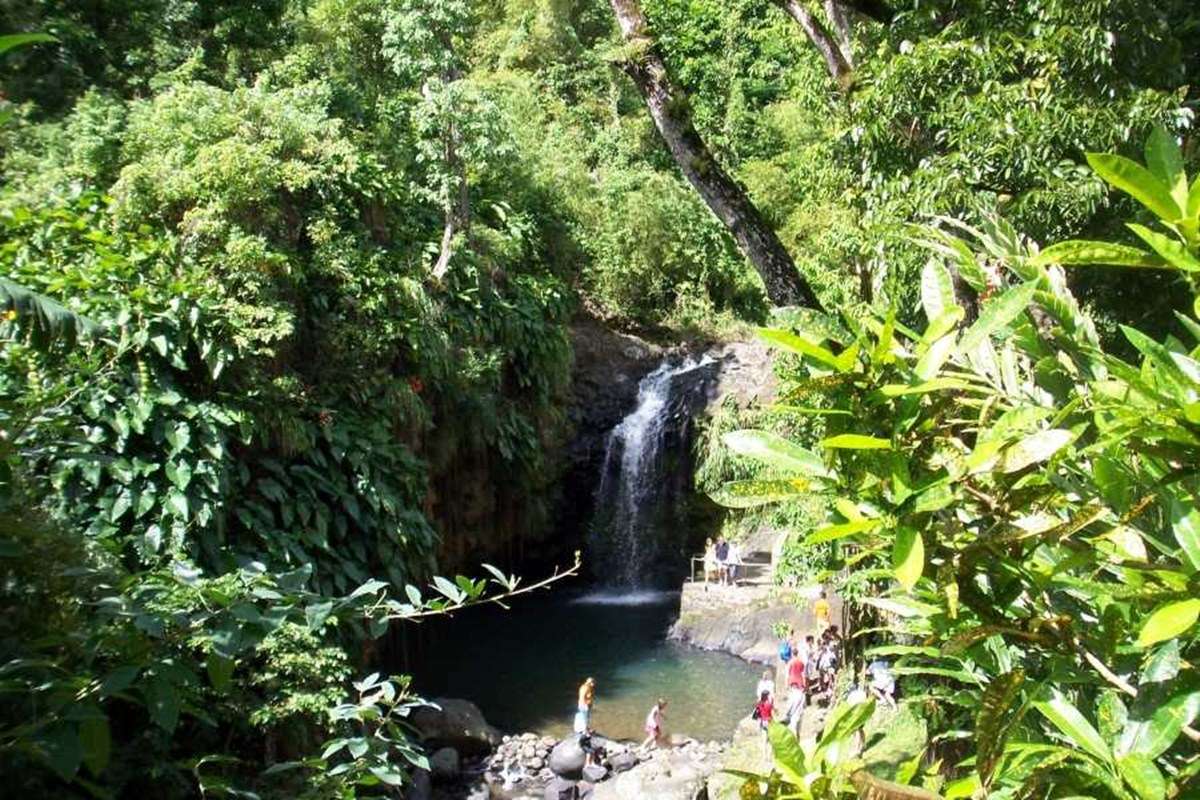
{"x":821,"y":612}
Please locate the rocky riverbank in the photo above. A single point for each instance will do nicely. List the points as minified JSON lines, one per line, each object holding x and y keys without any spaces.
{"x":470,"y":760}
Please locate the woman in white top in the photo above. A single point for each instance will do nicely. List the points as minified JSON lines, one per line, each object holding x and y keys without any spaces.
{"x":767,"y":684}
{"x":654,"y":723}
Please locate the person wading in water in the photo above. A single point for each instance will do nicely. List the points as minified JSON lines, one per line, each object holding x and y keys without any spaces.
{"x":583,"y":712}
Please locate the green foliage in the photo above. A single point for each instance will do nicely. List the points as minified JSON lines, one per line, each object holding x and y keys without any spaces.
{"x":1032,"y":510}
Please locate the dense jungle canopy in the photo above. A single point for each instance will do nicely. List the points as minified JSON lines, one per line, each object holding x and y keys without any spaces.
{"x":289,"y":287}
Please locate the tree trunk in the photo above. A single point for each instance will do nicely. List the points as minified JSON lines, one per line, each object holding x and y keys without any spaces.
{"x":668,"y":108}
{"x":834,"y":47}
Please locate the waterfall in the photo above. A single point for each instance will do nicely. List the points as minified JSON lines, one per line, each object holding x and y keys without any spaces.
{"x":634,"y":497}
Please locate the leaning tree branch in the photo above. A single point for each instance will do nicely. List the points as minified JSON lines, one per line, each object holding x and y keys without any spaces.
{"x":669,"y":109}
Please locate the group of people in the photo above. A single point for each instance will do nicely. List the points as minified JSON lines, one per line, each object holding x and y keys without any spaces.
{"x":583,"y":718}
{"x":810,"y":667}
{"x":722,"y":561}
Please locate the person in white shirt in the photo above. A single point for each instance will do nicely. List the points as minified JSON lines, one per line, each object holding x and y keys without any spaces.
{"x":734,"y":562}
{"x":767,"y":684}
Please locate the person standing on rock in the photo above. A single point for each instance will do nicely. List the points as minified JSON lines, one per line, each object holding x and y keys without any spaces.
{"x":735,"y":562}
{"x":796,"y":674}
{"x":764,"y":712}
{"x":710,"y":561}
{"x":583,"y":712}
{"x":722,"y":560}
{"x":767,"y":684}
{"x":821,"y":612}
{"x":654,"y":724}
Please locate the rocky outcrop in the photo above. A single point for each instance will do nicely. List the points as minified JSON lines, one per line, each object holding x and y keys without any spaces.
{"x":457,"y":724}
{"x":677,"y":773}
{"x":740,"y":620}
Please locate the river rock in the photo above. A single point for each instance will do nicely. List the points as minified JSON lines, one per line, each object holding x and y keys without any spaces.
{"x":444,"y":764}
{"x":623,"y":761}
{"x":594,"y":773}
{"x":567,"y":759}
{"x":665,"y":775}
{"x":455,"y":723}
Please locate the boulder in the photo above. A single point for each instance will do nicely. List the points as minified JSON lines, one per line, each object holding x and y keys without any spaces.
{"x":421,"y":787}
{"x":622,"y":762}
{"x":444,"y":764}
{"x":567,"y":759}
{"x":455,"y":723}
{"x":594,"y":773}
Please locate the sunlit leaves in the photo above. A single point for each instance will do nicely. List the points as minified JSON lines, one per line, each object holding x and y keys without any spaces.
{"x":908,"y":557}
{"x":751,"y":493}
{"x":1169,"y":621}
{"x":998,"y":315}
{"x":1074,"y":726}
{"x":1136,"y":181}
{"x":776,"y":451}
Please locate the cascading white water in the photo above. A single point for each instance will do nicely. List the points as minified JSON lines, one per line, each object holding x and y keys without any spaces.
{"x":626,"y":497}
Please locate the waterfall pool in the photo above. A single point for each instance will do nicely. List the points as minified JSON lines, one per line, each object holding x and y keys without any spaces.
{"x":523,"y":667}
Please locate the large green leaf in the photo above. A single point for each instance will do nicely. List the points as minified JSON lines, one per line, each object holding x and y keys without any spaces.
{"x":935,"y":385}
{"x":776,"y":451}
{"x":908,"y":557}
{"x":1165,"y":161}
{"x":751,"y":493}
{"x":1169,"y":621}
{"x":994,"y":721}
{"x":96,"y":740}
{"x":1142,"y":776}
{"x":998,"y":315}
{"x":854,"y":441}
{"x":789,"y":757}
{"x":1137,"y":182}
{"x":9,"y":41}
{"x":1078,"y":252}
{"x":1079,"y":732}
{"x":801,"y":346}
{"x":1035,"y":448}
{"x":1185,"y":523}
{"x":1171,"y":250}
{"x":937,"y":289}
{"x":1193,"y":204}
{"x":1154,"y":727}
{"x":44,"y":319}
{"x":835,"y":532}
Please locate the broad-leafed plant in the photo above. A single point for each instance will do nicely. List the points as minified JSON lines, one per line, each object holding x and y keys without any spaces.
{"x":1027,"y":501}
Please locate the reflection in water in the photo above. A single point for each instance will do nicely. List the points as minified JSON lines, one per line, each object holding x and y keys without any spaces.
{"x":524,"y":666}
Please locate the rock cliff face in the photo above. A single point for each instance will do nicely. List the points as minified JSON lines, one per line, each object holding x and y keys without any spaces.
{"x":481,"y":522}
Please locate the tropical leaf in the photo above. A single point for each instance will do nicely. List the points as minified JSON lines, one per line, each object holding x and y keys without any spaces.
{"x":1078,"y":731}
{"x":1165,"y":161}
{"x":1137,"y":182}
{"x":751,"y":493}
{"x":995,"y":720}
{"x":935,"y":385}
{"x":908,"y":557}
{"x":1142,"y":776}
{"x":1169,"y":621}
{"x":1171,"y":250}
{"x":1185,"y":524}
{"x":1078,"y":252}
{"x":776,"y":451}
{"x":835,"y":532}
{"x":937,"y":290}
{"x":1154,"y":726}
{"x":789,"y":757}
{"x":9,"y":41}
{"x":854,"y":441}
{"x":45,"y":320}
{"x":800,"y":346}
{"x":1035,"y":449}
{"x":998,"y":315}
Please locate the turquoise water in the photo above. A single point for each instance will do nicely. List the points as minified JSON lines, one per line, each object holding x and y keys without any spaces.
{"x":523,"y":667}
